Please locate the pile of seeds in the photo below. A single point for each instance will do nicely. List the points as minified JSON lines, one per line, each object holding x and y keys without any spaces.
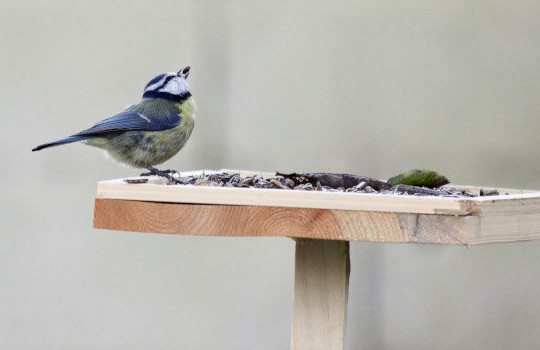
{"x":315,"y":182}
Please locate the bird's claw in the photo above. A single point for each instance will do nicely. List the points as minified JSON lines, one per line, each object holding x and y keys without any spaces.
{"x":163,"y":173}
{"x":150,"y":173}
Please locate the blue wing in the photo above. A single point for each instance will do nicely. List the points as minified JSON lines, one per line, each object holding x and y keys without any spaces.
{"x":124,"y":121}
{"x":132,"y":121}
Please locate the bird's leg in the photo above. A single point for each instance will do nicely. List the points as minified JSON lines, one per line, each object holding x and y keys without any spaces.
{"x":163,"y":173}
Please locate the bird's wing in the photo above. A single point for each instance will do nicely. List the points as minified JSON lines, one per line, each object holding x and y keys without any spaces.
{"x":132,"y":121}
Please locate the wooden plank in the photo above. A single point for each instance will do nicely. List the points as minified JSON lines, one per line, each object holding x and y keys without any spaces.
{"x":234,"y":220}
{"x":231,"y":220}
{"x":502,"y":191}
{"x":503,"y":228}
{"x":118,"y":189}
{"x":156,"y":191}
{"x":321,"y":286}
{"x":342,"y":216}
{"x":527,"y":203}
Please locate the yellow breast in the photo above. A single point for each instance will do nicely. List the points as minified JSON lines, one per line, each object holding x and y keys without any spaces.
{"x":187,"y":112}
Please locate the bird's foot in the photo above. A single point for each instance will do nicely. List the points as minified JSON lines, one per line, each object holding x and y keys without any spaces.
{"x":163,"y":173}
{"x":150,"y":173}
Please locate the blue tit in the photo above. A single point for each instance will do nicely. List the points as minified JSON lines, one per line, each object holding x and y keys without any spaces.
{"x":149,"y":132}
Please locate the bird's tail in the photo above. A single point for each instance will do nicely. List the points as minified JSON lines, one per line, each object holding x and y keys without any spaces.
{"x":68,"y":139}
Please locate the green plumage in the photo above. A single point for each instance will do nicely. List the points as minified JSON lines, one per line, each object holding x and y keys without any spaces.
{"x":423,"y":178}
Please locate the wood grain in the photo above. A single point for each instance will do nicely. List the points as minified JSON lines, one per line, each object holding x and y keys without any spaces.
{"x":118,"y":189}
{"x":221,"y":211}
{"x":234,"y":220}
{"x":321,"y":286}
{"x":155,"y":191}
{"x":503,"y":228}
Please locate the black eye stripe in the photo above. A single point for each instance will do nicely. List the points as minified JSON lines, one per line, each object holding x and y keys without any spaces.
{"x":167,"y":96}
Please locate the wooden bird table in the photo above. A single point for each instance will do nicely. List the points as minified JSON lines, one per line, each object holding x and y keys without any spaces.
{"x":323,"y":223}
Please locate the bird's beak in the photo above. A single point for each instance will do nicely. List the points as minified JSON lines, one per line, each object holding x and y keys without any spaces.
{"x":184,"y":72}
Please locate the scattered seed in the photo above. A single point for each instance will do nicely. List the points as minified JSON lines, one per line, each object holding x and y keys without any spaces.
{"x":304,"y":183}
{"x":247,"y":181}
{"x":287,"y":182}
{"x":360,"y":186}
{"x":136,"y":181}
{"x":235,"y":178}
{"x":491,"y":192}
{"x":308,"y":187}
{"x":278,"y":184}
{"x":201,"y":182}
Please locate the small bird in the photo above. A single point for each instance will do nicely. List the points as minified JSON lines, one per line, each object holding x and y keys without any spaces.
{"x":149,"y":132}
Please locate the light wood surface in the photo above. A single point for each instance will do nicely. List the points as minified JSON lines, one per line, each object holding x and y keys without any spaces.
{"x":156,"y":192}
{"x":235,"y":220}
{"x":185,"y":209}
{"x":118,"y":189}
{"x":321,"y":286}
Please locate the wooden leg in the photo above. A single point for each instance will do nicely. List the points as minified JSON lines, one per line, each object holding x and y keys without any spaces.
{"x":321,"y":287}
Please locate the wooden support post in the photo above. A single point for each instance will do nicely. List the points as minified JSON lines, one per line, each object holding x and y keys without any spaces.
{"x":321,"y":286}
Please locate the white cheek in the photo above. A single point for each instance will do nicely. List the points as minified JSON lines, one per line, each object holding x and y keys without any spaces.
{"x":176,"y":87}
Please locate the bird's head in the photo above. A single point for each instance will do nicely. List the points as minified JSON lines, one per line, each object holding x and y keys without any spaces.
{"x":170,"y":86}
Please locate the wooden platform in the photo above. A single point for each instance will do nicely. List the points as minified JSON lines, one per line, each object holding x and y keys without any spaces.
{"x":224,"y":211}
{"x":323,"y":223}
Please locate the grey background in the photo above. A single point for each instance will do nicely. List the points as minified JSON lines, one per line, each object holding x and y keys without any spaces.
{"x":367,"y":87}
